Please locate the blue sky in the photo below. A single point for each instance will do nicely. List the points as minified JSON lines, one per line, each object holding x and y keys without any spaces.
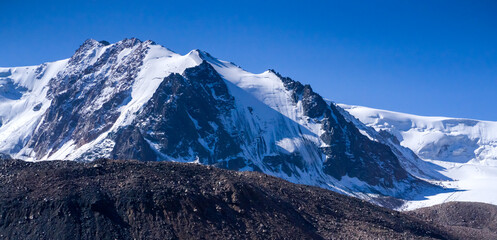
{"x":421,"y":57}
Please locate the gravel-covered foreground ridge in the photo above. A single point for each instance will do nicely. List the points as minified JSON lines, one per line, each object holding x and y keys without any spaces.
{"x":113,"y":199}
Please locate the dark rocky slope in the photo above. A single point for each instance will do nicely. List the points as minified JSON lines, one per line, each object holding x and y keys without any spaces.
{"x":110,"y":199}
{"x":469,"y":220}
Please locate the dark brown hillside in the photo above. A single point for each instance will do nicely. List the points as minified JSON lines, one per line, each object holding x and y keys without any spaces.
{"x":470,"y":220}
{"x":109,"y":199}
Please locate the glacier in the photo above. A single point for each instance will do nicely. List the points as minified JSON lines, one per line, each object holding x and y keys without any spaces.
{"x":462,"y":151}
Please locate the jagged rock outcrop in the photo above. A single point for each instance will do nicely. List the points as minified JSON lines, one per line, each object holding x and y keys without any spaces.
{"x":184,"y":116}
{"x":348,"y":152}
{"x":86,"y":96}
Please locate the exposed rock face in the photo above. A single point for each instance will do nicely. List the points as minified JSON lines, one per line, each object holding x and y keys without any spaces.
{"x":348,"y":152}
{"x":183,"y":117}
{"x":353,"y":154}
{"x":87,"y":94}
{"x":135,"y":200}
{"x":130,"y":143}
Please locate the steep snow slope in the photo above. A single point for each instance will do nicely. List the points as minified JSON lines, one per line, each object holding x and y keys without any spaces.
{"x":23,"y":101}
{"x":463,"y":150}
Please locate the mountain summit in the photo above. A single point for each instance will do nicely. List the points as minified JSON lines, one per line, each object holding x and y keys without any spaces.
{"x":138,"y":100}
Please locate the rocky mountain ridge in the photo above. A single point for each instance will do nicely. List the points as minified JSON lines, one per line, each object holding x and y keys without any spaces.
{"x":139,"y":100}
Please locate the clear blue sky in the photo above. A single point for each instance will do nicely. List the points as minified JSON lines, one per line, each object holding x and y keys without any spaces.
{"x":421,"y":57}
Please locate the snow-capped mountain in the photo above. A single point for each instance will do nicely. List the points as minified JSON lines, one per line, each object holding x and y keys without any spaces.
{"x":462,"y":151}
{"x":139,"y":100}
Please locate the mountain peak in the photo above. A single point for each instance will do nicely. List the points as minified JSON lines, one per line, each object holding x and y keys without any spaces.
{"x":105,"y":43}
{"x":133,"y":100}
{"x":89,"y":43}
{"x":202,"y":54}
{"x":92,"y":43}
{"x":131,"y":41}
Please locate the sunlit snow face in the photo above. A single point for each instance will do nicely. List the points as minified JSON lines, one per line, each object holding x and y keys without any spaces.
{"x":463,"y":150}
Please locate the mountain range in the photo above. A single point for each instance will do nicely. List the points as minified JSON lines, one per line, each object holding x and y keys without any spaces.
{"x":138,"y":100}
